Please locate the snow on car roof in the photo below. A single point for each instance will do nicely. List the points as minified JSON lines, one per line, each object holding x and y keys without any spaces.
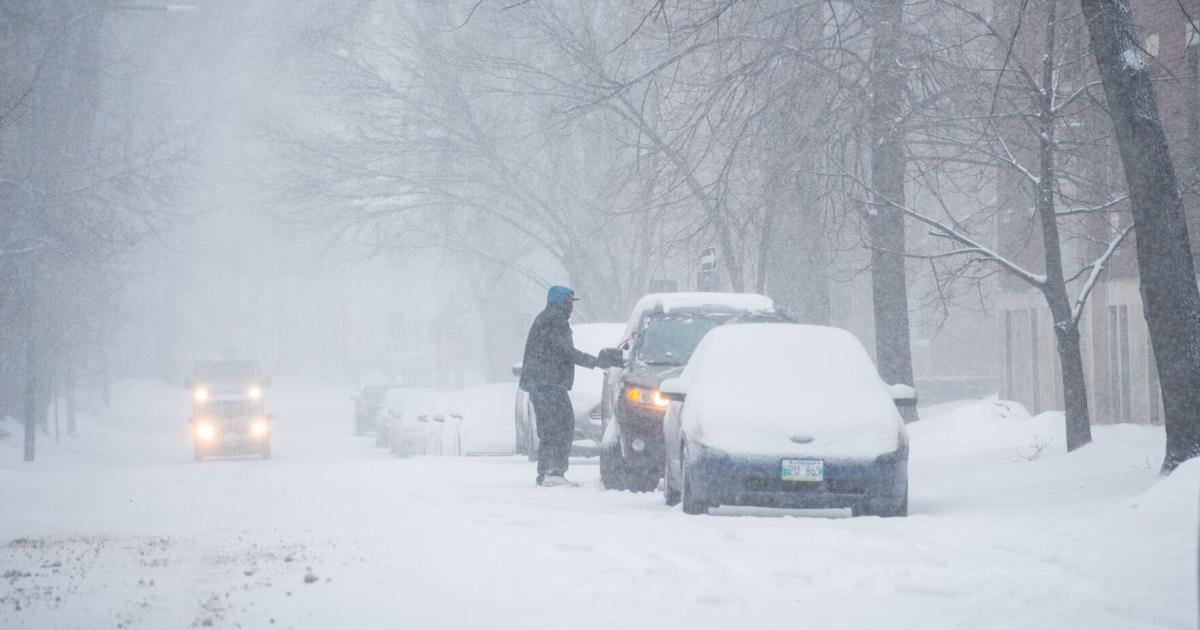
{"x":667,"y":302}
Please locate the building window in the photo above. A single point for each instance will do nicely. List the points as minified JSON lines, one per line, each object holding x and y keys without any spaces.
{"x":1034,"y":367}
{"x":1120,"y":394}
{"x":1009,"y":390}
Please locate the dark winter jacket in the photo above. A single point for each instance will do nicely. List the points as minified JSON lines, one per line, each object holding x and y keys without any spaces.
{"x":550,"y":354}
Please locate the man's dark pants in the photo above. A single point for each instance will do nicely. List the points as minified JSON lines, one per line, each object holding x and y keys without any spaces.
{"x":555,"y":429}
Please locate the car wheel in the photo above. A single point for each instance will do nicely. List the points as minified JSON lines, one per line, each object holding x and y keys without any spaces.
{"x":531,"y":437}
{"x":519,"y":443}
{"x":612,"y":467}
{"x":531,"y":446}
{"x":670,"y":494}
{"x":641,"y":479}
{"x":692,"y":503}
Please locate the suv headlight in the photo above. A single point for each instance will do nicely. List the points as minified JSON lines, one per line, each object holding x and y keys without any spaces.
{"x":645,"y":397}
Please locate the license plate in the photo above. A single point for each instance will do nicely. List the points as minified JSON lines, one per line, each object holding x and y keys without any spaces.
{"x":803,"y":470}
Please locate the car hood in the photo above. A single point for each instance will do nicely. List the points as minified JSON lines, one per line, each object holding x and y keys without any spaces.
{"x":836,"y":425}
{"x":651,"y":376}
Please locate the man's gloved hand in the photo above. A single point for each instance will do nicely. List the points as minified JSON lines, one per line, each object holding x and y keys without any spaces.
{"x":610,"y":358}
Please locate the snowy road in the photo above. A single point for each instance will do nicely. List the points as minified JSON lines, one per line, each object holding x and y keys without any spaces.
{"x":119,"y":528}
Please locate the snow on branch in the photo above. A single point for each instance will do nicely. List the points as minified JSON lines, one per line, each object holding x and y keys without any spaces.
{"x":1097,"y":268}
{"x":1100,"y":208}
{"x":971,"y":246}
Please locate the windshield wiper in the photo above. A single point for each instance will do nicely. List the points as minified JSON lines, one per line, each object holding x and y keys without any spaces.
{"x":661,"y":363}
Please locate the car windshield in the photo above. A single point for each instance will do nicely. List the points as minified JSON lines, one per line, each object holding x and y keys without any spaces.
{"x":232,"y":408}
{"x":375,"y":393}
{"x":671,"y":339}
{"x":232,"y":372}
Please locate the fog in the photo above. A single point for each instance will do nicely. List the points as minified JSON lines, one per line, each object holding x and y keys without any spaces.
{"x":305,"y":216}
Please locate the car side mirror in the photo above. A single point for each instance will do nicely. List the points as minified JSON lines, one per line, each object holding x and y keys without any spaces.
{"x":673,"y":389}
{"x":904,"y":395}
{"x":611,"y":357}
{"x":516,"y":369}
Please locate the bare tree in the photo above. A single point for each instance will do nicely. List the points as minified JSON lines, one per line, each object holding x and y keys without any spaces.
{"x":1168,"y":274}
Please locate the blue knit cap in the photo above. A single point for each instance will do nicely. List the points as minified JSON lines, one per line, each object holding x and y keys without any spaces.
{"x":560,"y":295}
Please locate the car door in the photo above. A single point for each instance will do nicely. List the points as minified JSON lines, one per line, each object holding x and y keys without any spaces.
{"x":611,"y":389}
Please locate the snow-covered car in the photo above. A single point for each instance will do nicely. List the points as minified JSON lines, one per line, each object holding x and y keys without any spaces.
{"x":367,"y":407}
{"x":585,"y":395}
{"x":230,"y":425}
{"x":785,"y":415}
{"x":416,"y":418}
{"x":661,"y":334}
{"x":478,"y":421}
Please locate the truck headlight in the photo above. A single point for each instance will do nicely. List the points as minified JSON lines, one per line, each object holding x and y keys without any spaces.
{"x":254,"y":393}
{"x":200,"y":394}
{"x":259,"y":427}
{"x":206,"y":431}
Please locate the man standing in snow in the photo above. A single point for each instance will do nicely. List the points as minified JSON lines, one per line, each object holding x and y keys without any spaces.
{"x":547,"y":373}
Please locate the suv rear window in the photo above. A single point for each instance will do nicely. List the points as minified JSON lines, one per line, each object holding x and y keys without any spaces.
{"x":671,"y":339}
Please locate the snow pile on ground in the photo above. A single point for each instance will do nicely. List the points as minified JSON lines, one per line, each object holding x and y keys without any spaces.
{"x":333,"y":532}
{"x":988,"y":426}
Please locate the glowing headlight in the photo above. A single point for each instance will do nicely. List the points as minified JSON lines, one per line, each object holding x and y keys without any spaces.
{"x":205,"y":431}
{"x":255,"y":392}
{"x":200,"y":395}
{"x":259,"y":428}
{"x":643,"y":397}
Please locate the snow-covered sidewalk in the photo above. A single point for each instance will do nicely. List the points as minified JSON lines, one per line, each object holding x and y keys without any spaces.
{"x":120,"y":528}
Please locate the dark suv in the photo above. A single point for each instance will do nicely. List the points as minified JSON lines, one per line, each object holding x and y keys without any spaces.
{"x":659,"y":338}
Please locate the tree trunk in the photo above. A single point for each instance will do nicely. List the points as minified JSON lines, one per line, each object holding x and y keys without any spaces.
{"x":885,"y":222}
{"x":1066,"y":330}
{"x":1170,"y":296}
{"x":31,"y":398}
{"x":1075,"y":403}
{"x":69,"y":386}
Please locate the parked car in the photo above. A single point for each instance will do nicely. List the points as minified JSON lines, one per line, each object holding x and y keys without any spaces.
{"x":659,"y":338}
{"x":477,"y":421}
{"x":366,"y":407}
{"x":585,"y":395}
{"x":785,"y":415}
{"x":415,"y":419}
